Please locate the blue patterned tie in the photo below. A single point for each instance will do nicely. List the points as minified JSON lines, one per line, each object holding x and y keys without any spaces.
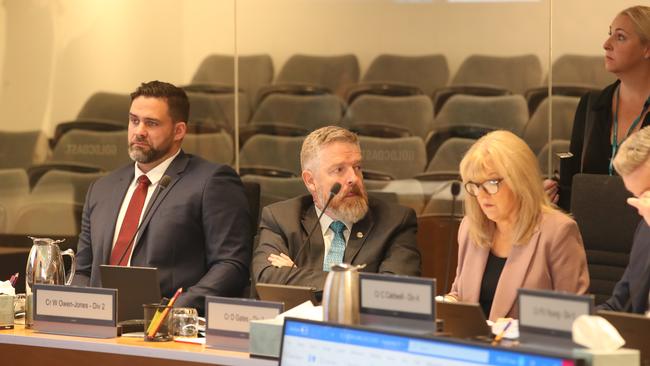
{"x":335,"y":254}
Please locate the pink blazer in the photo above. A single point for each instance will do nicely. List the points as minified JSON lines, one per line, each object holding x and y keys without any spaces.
{"x":553,"y":259}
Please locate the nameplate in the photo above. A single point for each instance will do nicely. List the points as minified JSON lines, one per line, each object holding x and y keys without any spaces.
{"x":397,"y":301}
{"x":70,"y":310}
{"x":228,"y":320}
{"x":551,"y":313}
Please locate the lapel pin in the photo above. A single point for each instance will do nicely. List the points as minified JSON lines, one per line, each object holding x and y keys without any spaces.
{"x":359,"y":234}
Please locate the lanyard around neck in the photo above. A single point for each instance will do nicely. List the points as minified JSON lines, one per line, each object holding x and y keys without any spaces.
{"x":615,"y":144}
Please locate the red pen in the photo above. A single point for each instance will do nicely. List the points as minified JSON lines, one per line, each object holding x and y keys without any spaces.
{"x":13,"y":279}
{"x":153,"y":327}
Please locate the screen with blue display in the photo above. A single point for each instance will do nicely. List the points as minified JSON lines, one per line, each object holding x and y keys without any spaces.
{"x":320,"y":344}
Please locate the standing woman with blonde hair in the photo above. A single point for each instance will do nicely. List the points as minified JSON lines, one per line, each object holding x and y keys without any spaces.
{"x":606,"y":118}
{"x":511,"y":236}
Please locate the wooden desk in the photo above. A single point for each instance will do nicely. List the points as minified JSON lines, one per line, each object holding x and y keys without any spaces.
{"x":26,"y":347}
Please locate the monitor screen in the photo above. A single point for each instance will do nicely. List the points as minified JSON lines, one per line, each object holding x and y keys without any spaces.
{"x":307,"y":342}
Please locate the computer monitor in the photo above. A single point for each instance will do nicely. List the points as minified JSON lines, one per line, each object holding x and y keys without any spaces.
{"x":306,"y":342}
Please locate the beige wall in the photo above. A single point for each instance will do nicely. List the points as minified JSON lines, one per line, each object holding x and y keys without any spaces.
{"x":55,"y":53}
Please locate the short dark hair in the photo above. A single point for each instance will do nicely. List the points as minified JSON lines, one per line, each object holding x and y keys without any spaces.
{"x":177,"y":102}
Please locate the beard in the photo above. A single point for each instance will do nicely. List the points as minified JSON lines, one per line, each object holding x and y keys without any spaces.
{"x":347,"y":209}
{"x":146,"y":155}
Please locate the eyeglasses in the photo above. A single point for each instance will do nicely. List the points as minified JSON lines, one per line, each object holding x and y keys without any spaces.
{"x":490,"y":186}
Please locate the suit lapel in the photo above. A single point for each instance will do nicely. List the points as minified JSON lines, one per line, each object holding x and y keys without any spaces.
{"x":316,"y":244}
{"x":473,"y":270}
{"x":358,"y":235}
{"x":175,"y":170}
{"x":513,"y":275}
{"x":119,"y":190}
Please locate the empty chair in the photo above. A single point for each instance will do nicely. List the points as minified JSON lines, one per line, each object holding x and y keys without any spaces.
{"x":217,"y":71}
{"x":22,"y":149}
{"x":64,"y":186}
{"x":607,"y":225}
{"x":14,"y":191}
{"x":393,"y":158}
{"x":103,"y":111}
{"x":584,"y":70}
{"x":271,"y":155}
{"x":449,"y":155}
{"x":306,"y":111}
{"x":410,"y":115}
{"x":45,"y":218}
{"x":207,"y":111}
{"x":536,"y":131}
{"x":555,"y":147}
{"x":335,"y":73}
{"x":215,"y":147}
{"x":471,"y":116}
{"x":514,"y":73}
{"x":389,"y":74}
{"x":536,"y":96}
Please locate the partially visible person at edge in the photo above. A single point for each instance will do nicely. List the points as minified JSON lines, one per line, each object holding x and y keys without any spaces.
{"x":604,"y":119}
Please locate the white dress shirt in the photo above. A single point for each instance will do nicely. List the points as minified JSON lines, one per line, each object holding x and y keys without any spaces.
{"x":154,"y":176}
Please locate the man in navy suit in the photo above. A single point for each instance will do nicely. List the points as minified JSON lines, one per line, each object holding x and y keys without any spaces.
{"x":633,"y":164}
{"x":193,"y":217}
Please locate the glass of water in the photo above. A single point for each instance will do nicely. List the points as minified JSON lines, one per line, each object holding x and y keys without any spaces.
{"x":185,"y":322}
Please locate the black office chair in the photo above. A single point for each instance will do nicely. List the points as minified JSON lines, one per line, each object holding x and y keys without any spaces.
{"x":607,"y":224}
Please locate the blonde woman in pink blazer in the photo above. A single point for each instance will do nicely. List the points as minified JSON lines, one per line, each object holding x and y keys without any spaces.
{"x":511,"y":236}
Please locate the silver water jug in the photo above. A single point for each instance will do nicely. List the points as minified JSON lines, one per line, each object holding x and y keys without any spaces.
{"x":45,"y":265}
{"x":341,"y":294}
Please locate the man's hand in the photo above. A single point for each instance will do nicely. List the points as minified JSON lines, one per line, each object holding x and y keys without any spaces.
{"x":551,"y":188}
{"x":281,"y":260}
{"x":642,"y":204}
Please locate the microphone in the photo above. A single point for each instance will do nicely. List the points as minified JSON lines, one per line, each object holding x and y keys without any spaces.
{"x":333,"y":192}
{"x":455,"y":191}
{"x":162,"y":184}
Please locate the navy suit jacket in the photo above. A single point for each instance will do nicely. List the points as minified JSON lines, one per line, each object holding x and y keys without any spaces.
{"x":631,"y":292}
{"x":197,"y":233}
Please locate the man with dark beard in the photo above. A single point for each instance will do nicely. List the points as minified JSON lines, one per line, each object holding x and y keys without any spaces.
{"x":354,"y":228}
{"x":193,"y":218}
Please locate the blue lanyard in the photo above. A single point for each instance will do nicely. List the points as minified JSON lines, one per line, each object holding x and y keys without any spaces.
{"x":615,"y":144}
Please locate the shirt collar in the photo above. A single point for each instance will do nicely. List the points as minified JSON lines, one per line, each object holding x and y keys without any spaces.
{"x":158,"y":171}
{"x":326,"y":221}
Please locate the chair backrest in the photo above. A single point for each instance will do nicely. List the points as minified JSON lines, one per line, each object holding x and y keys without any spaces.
{"x":268,"y":151}
{"x":536,"y":131}
{"x":555,"y":147}
{"x":336,"y":73}
{"x":64,"y":186}
{"x":215,"y":147}
{"x":414,"y":113}
{"x":515,"y":73}
{"x":107,"y":106}
{"x":308,"y":111}
{"x":508,"y":112}
{"x":255,"y":71}
{"x":582,"y":70}
{"x":449,"y":155}
{"x":427,"y":72}
{"x":206,"y":109}
{"x":274,"y":189}
{"x":252,"y":190}
{"x":401,"y":158}
{"x":607,"y":224}
{"x":22,"y":149}
{"x":435,"y":232}
{"x":14,"y":192}
{"x":106,"y":150}
{"x":48,"y":218}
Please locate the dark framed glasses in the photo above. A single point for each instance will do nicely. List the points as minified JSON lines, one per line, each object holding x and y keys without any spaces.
{"x":490,"y":186}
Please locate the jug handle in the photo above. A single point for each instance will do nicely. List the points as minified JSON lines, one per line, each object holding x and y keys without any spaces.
{"x":73,"y":265}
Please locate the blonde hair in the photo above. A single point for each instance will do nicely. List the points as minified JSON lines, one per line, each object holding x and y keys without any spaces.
{"x":640,"y":17}
{"x":634,"y":152}
{"x":321,"y":137}
{"x":513,"y":160}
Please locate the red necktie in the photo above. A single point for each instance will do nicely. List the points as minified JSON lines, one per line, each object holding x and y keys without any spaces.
{"x":124,"y":244}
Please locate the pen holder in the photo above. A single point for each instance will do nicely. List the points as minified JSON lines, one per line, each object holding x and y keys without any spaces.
{"x":157,"y":323}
